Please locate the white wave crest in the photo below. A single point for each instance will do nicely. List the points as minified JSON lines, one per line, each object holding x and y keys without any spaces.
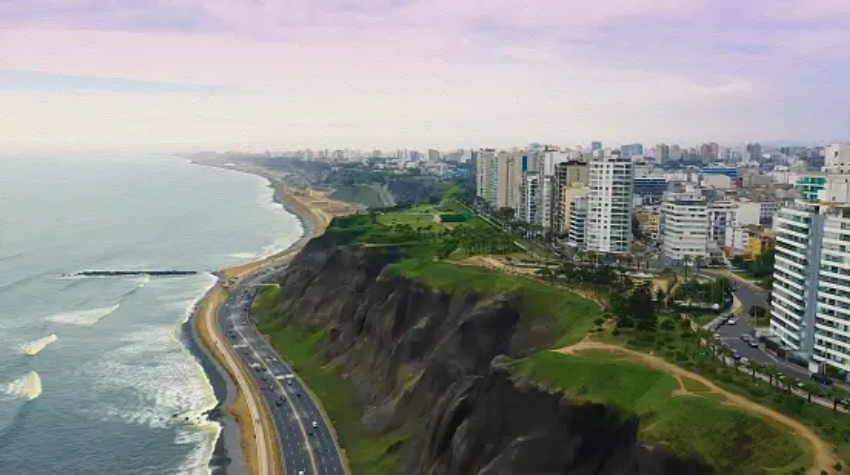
{"x":83,"y":317}
{"x":34,"y":347}
{"x":198,"y":460}
{"x":243,"y":255}
{"x":26,"y":388}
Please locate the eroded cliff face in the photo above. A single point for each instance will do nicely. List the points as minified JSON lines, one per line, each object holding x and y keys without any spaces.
{"x":426,"y":362}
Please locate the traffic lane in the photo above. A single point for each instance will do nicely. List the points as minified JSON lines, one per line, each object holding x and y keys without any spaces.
{"x":321,"y":438}
{"x":319,"y":441}
{"x":293,"y":444}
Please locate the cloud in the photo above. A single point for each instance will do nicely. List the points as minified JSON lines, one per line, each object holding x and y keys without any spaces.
{"x":503,"y":72}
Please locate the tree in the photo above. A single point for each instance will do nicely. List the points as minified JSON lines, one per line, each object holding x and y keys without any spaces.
{"x":836,"y":396}
{"x":685,"y":263}
{"x":772,"y":373}
{"x":755,"y":367}
{"x":809,"y":389}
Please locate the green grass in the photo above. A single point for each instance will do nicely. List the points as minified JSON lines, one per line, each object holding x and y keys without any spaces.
{"x":363,"y":194}
{"x":573,"y":314}
{"x":734,"y":442}
{"x":368,"y":454}
{"x":694,"y":386}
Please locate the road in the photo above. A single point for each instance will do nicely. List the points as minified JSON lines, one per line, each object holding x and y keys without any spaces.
{"x":305,"y":449}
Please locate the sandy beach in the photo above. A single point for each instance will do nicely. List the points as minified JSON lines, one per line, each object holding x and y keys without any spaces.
{"x":236,"y":450}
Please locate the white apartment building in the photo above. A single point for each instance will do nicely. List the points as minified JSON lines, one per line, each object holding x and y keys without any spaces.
{"x":530,"y":206}
{"x":720,"y":215}
{"x":684,"y":225}
{"x":577,"y":234}
{"x":609,"y":219}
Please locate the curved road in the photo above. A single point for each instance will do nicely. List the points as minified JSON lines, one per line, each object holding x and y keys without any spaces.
{"x":306,"y":439}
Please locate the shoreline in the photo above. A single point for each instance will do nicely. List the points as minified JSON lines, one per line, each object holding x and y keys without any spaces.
{"x":234,"y":448}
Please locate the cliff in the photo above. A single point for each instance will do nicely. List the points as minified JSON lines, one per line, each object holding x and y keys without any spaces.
{"x":426,"y":362}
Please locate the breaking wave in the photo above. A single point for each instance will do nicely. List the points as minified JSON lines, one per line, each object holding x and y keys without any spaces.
{"x":83,"y":317}
{"x":34,"y":347}
{"x":243,"y":255}
{"x":26,"y":388}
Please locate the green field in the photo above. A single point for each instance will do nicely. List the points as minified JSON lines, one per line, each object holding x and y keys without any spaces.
{"x":368,"y":454}
{"x":362,"y":194}
{"x":574,"y":314}
{"x":732,"y":441}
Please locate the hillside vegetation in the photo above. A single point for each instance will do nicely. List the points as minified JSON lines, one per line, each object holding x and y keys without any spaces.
{"x":732,"y":441}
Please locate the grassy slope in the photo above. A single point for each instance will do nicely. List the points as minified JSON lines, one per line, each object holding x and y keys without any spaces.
{"x":362,"y":194}
{"x":368,"y":454}
{"x":574,"y":314}
{"x":734,"y":442}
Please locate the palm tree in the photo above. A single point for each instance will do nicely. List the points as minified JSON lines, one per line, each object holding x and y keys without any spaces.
{"x":809,"y":389}
{"x":836,"y":396}
{"x":772,"y":373}
{"x":685,"y":262}
{"x":755,"y":366}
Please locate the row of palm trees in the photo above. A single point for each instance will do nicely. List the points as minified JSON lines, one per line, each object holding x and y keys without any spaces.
{"x":784,"y":382}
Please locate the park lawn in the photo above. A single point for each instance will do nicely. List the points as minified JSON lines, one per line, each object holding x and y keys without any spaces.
{"x":732,"y":441}
{"x":368,"y":454}
{"x":574,"y":314}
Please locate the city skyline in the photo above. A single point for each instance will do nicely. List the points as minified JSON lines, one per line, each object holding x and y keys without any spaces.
{"x":217,"y":74}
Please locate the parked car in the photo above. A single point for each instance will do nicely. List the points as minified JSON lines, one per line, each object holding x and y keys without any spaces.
{"x":753,"y":343}
{"x":732,"y":321}
{"x":822,"y":379}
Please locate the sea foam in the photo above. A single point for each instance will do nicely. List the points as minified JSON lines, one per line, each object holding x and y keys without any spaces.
{"x":34,"y":347}
{"x":83,"y":317}
{"x":26,"y":388}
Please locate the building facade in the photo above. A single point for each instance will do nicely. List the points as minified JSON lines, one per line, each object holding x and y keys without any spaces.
{"x":610,"y":203}
{"x":684,"y":225}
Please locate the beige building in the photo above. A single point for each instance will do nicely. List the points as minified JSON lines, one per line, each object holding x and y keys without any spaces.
{"x":509,"y":180}
{"x":567,"y":200}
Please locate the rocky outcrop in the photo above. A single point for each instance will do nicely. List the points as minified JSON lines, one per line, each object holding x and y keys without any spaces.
{"x":424,"y":361}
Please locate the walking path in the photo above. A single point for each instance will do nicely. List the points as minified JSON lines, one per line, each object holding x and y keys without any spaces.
{"x":823,"y":456}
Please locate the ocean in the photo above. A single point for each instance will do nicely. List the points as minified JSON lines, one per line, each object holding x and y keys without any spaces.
{"x":95,"y":377}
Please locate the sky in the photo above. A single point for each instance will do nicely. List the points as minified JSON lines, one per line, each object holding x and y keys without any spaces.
{"x":186,"y":75}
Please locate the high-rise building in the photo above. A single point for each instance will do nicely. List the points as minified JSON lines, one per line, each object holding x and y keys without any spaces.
{"x":675,"y":152}
{"x":662,"y":152}
{"x":577,"y":233}
{"x":684,"y":225}
{"x":721,"y":214}
{"x":486,"y":178}
{"x":569,"y":175}
{"x":595,"y":146}
{"x":630,"y":150}
{"x":754,"y":151}
{"x":530,"y":206}
{"x":609,"y":221}
{"x":509,"y":181}
{"x":433,"y":155}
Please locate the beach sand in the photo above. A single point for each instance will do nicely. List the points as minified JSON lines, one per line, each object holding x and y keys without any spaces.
{"x":315,"y":211}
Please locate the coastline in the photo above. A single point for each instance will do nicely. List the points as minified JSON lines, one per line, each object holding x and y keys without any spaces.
{"x":235,"y":449}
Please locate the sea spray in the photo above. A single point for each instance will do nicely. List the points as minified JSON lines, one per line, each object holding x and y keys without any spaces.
{"x":34,"y":347}
{"x":26,"y":388}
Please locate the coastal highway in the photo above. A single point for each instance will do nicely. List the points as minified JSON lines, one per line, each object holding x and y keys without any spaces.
{"x":306,"y":438}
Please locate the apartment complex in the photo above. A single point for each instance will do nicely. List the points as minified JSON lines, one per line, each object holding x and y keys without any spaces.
{"x":609,"y":219}
{"x":684,"y":225}
{"x":810,"y":308}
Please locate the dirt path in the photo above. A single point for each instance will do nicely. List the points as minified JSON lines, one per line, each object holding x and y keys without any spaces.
{"x":824,"y":458}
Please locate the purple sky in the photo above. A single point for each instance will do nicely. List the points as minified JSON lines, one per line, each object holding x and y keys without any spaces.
{"x":254,"y":74}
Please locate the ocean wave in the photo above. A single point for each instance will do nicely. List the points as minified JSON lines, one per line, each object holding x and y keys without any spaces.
{"x":198,"y":459}
{"x":243,"y":255}
{"x":26,"y":388}
{"x":34,"y":347}
{"x":83,"y":317}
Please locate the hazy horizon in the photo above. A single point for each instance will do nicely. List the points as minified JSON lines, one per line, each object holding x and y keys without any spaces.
{"x":226,"y":75}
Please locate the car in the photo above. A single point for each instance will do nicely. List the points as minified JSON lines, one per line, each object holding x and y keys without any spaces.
{"x":736,"y":355}
{"x":732,"y":321}
{"x":753,"y":343}
{"x":315,"y":425}
{"x":271,"y":388}
{"x":744,"y":361}
{"x":245,"y":351}
{"x":301,"y":472}
{"x":746,"y":337}
{"x":822,"y":379}
{"x":278,"y":403}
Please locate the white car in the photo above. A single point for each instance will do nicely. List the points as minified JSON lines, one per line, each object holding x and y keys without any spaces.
{"x":315,"y":425}
{"x":732,"y":321}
